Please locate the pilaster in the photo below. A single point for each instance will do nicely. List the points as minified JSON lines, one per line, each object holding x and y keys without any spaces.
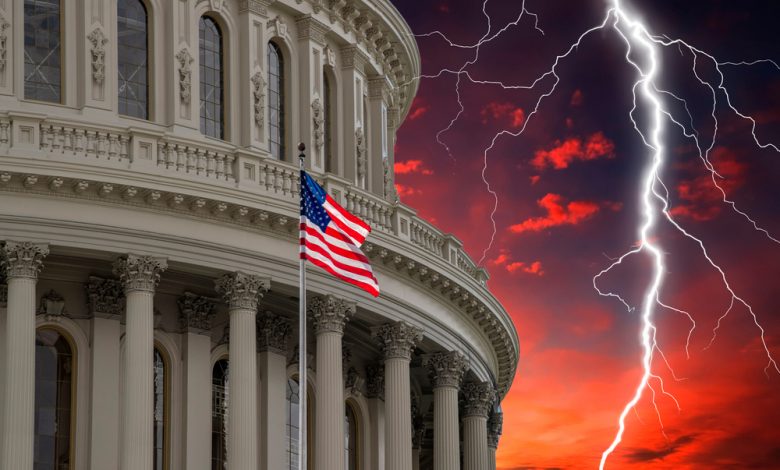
{"x":273,"y":332}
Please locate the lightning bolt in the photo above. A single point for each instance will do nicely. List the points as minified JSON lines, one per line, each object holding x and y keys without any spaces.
{"x":642,"y":50}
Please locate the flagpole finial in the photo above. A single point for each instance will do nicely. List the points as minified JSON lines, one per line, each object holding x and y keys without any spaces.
{"x":302,"y":156}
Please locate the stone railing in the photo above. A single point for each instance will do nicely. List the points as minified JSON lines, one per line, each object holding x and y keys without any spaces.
{"x":201,"y":160}
{"x":83,"y":141}
{"x":427,"y":237}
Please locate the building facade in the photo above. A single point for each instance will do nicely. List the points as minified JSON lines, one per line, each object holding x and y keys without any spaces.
{"x":148,"y":219}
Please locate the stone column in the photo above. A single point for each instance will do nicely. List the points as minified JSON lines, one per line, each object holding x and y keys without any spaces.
{"x":397,"y":341}
{"x":21,"y":261}
{"x":446,"y":370}
{"x":242,"y":292}
{"x":494,"y":428}
{"x":195,"y":316}
{"x":478,"y":397}
{"x":272,"y":334}
{"x":106,"y":303}
{"x":139,"y":276}
{"x":329,"y":314}
{"x":375,"y":393}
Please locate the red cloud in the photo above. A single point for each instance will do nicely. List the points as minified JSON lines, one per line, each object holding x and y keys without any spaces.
{"x":502,"y":258}
{"x":535,"y":179}
{"x":418,"y":110}
{"x":557,"y":214}
{"x":576,"y":98}
{"x":411,"y":166}
{"x":534,"y":268}
{"x":701,"y":199}
{"x":498,"y":111}
{"x":561,"y":156}
{"x":404,"y":191}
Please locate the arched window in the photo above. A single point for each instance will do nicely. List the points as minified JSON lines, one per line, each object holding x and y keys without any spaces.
{"x":292,"y":451}
{"x":212,"y":104}
{"x":42,"y":50}
{"x":276,"y":101}
{"x":133,"y":55}
{"x":328,"y":115}
{"x":54,"y":400}
{"x":219,"y":384}
{"x":161,"y":394}
{"x":351,"y":438}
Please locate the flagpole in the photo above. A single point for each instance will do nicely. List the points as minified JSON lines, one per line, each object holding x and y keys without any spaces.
{"x":302,"y":388}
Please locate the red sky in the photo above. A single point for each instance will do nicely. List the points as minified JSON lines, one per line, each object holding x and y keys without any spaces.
{"x":568,"y":203}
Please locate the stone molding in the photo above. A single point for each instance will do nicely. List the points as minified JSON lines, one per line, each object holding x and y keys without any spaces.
{"x":196,"y":312}
{"x":446,"y":369}
{"x":23,"y":259}
{"x":330,"y":313}
{"x":241,"y":290}
{"x":495,"y":427}
{"x":375,"y":383}
{"x":478,"y":398}
{"x":105,"y":297}
{"x":398,"y":339}
{"x":273,"y":331}
{"x":139,"y":273}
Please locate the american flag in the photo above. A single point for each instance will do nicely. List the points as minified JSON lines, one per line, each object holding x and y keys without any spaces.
{"x":331,"y":237}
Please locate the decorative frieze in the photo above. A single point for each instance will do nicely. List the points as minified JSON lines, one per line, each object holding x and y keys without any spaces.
{"x":446,"y":369}
{"x":310,"y":28}
{"x":242,"y":290}
{"x":375,"y":383}
{"x":195,"y":312}
{"x":98,"y":51}
{"x":330,"y":313}
{"x":52,"y":305}
{"x":105,"y":297}
{"x":185,"y":60}
{"x":318,"y":120}
{"x":495,"y":428}
{"x":273,"y":332}
{"x":397,"y":340}
{"x":139,"y":273}
{"x":478,"y":398}
{"x":23,"y":259}
{"x":258,"y":94}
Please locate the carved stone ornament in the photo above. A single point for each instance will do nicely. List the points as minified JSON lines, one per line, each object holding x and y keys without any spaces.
{"x":184,"y":59}
{"x":494,"y":428}
{"x":52,"y":305}
{"x":375,"y":385}
{"x":4,"y":24}
{"x":330,"y":56}
{"x":397,"y":340}
{"x":330,"y":313}
{"x":446,"y":368}
{"x":318,"y":119}
{"x":277,"y":26}
{"x":309,"y":28}
{"x":139,"y":272}
{"x":225,"y":338}
{"x":478,"y":398}
{"x":105,"y":297}
{"x":195,"y":312}
{"x":391,"y":194}
{"x":353,"y":383}
{"x":258,"y":94}
{"x":23,"y":259}
{"x":254,"y":6}
{"x":272,"y":333}
{"x":98,"y":50}
{"x":242,"y":290}
{"x":360,"y":152}
{"x":216,"y":5}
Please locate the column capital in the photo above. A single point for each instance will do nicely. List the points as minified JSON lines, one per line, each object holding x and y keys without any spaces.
{"x":258,"y":7}
{"x":375,"y":385}
{"x":330,"y":313}
{"x":495,"y":428}
{"x":398,"y":339}
{"x":23,"y":259}
{"x":478,"y":397}
{"x":311,"y":28}
{"x":195,"y":312}
{"x":446,"y":369}
{"x":140,"y":273}
{"x":272,"y":333}
{"x":242,"y":290}
{"x":105,"y":297}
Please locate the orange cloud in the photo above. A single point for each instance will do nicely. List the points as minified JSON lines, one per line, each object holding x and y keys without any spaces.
{"x":534,"y":268}
{"x":411,"y":166}
{"x":572,"y":213}
{"x":561,"y":156}
{"x":404,"y":191}
{"x":418,"y":110}
{"x":501,"y":111}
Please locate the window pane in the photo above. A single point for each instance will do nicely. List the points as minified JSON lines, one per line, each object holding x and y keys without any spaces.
{"x":219,"y":405}
{"x":53,"y":400}
{"x":133,"y":54}
{"x":160,"y":410}
{"x":276,"y":101}
{"x":211,"y":92}
{"x":42,"y":72}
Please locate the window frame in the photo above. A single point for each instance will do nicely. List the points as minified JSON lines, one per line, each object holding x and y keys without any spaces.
{"x":224,"y":433}
{"x":282,"y":93}
{"x":167,"y":383}
{"x":149,"y":63}
{"x":62,"y":66}
{"x":223,"y":62}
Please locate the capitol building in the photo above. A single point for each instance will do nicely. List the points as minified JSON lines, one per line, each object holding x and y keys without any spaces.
{"x":149,"y":246}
